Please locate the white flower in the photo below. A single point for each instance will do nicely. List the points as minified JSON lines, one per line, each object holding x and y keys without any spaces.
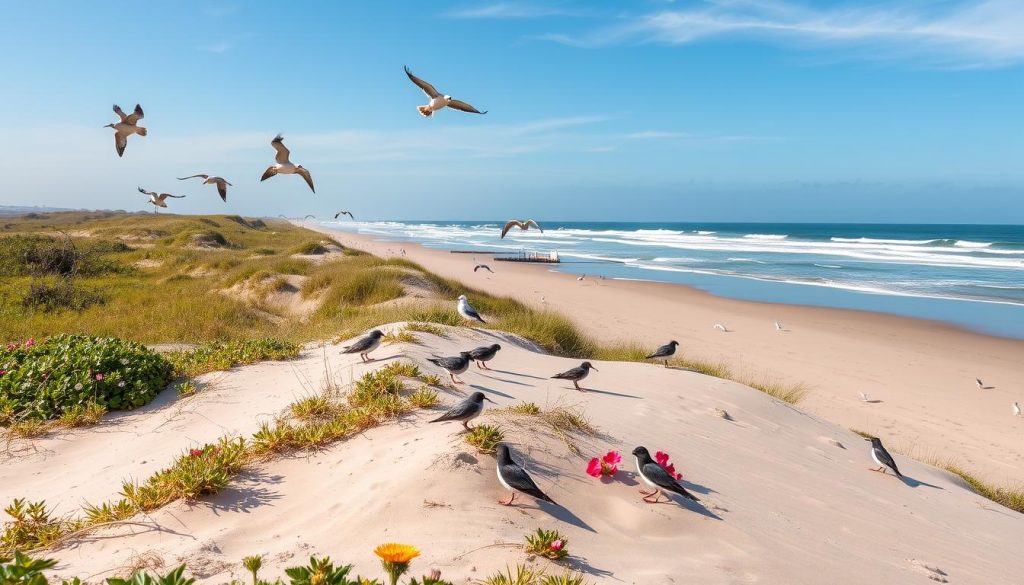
{"x":120,"y":384}
{"x":124,"y":361}
{"x":78,"y":386}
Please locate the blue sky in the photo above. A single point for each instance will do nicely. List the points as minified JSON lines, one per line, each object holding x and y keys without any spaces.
{"x":722,"y":110}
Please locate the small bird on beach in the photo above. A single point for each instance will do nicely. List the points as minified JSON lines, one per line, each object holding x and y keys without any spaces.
{"x":284,"y":166}
{"x":657,"y":477}
{"x":159,"y":199}
{"x":437,"y":100}
{"x":126,"y":127}
{"x":466,"y":410}
{"x":222,"y":184}
{"x":581,"y":277}
{"x":664,"y":352}
{"x":365,"y":345}
{"x":515,"y":479}
{"x":882,"y":457}
{"x":576,"y":374}
{"x":863,"y":397}
{"x":1016,"y":409}
{"x":348,"y":213}
{"x":778,"y":326}
{"x":484,"y":266}
{"x":721,"y":328}
{"x":523,"y":225}
{"x":454,"y":365}
{"x":467,"y":311}
{"x":484,"y":354}
{"x":981,"y":385}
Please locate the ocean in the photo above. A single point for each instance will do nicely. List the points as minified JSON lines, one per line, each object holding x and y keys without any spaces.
{"x":968,"y":275}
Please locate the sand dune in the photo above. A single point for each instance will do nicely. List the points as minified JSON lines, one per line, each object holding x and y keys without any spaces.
{"x":787,"y":497}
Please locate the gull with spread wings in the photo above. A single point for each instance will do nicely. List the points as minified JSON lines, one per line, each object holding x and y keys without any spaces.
{"x":438,"y":100}
{"x":523,"y":225}
{"x":283,"y":166}
{"x":126,"y":127}
{"x":158,"y":199}
{"x":222,"y":184}
{"x":348,"y":213}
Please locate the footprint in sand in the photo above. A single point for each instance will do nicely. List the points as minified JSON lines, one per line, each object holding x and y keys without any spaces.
{"x":932,"y":572}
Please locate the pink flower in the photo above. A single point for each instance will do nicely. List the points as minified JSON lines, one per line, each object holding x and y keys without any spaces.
{"x":99,"y":377}
{"x":30,"y":342}
{"x":594,"y":467}
{"x":195,"y":453}
{"x":606,"y":465}
{"x":2,"y":372}
{"x":12,"y":346}
{"x":662,"y":459}
{"x":612,"y":458}
{"x":557,"y":545}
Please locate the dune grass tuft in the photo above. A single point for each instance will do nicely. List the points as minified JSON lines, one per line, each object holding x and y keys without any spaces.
{"x":789,"y":393}
{"x":223,"y":356}
{"x":1011,"y":497}
{"x":485,"y":438}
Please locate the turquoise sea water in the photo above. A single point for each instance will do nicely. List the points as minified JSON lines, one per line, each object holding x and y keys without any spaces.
{"x":967,"y":275}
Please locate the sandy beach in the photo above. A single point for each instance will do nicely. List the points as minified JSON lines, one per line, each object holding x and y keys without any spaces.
{"x":918,"y":375}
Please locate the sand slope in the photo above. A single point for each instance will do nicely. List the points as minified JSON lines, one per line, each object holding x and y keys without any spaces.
{"x":787,"y":497}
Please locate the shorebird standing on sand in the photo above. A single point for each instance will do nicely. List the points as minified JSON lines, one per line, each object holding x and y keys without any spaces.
{"x":1016,"y":409}
{"x":467,"y":311}
{"x":454,"y":365}
{"x":284,"y":166}
{"x":365,"y":345}
{"x":863,"y":397}
{"x":222,"y":185}
{"x":576,"y":374}
{"x":482,"y":355}
{"x":159,"y":199}
{"x":126,"y":127}
{"x":466,"y":410}
{"x":721,"y":328}
{"x":981,"y":385}
{"x":515,"y":479}
{"x":657,"y":477}
{"x":882,"y":457}
{"x":664,"y":352}
{"x":778,"y":326}
{"x":523,"y":225}
{"x":437,"y":100}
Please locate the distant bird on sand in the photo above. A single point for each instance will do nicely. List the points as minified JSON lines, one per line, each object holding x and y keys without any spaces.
{"x":454,"y":365}
{"x":222,"y":185}
{"x":466,"y":410}
{"x":576,"y":374}
{"x":482,"y":355}
{"x":581,"y":277}
{"x":515,"y":479}
{"x":284,"y":166}
{"x":484,"y":266}
{"x":467,"y":311}
{"x":981,"y":385}
{"x":365,"y":345}
{"x":664,"y":352}
{"x":657,"y":477}
{"x":437,"y":100}
{"x":126,"y":127}
{"x":863,"y":397}
{"x":348,"y":213}
{"x":523,"y":225}
{"x":1016,"y":409}
{"x":778,"y":326}
{"x":159,"y":199}
{"x":721,"y":327}
{"x":882,"y":457}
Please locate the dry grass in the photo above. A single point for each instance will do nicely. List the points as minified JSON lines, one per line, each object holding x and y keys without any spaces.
{"x":790,"y":393}
{"x":1010,"y":496}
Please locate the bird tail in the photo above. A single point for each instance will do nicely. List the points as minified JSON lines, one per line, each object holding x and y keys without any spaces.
{"x":143,"y":131}
{"x":425,"y":111}
{"x":650,"y":357}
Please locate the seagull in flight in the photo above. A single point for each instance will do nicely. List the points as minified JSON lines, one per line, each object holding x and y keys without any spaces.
{"x":484,"y":266}
{"x":523,"y":225}
{"x":222,"y":184}
{"x":437,"y":100}
{"x":348,"y":213}
{"x":126,"y":127}
{"x":159,"y":199}
{"x":284,"y":166}
{"x":310,"y":216}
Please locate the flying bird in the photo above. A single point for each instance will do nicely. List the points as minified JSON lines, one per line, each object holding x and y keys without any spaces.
{"x":664,"y":352}
{"x":657,"y":477}
{"x":882,"y":457}
{"x":365,"y":345}
{"x":515,"y":479}
{"x":721,"y":327}
{"x":523,"y":225}
{"x":159,"y":199}
{"x":222,"y":184}
{"x":284,"y":166}
{"x":454,"y":365}
{"x":348,"y":213}
{"x":466,"y":410}
{"x":310,"y":216}
{"x":484,"y":354}
{"x":576,"y":374}
{"x":484,"y":266}
{"x":126,"y":127}
{"x":437,"y":100}
{"x":467,"y":311}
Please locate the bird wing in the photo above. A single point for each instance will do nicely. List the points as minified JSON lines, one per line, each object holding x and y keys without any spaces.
{"x":463,"y":106}
{"x":222,"y":190}
{"x":426,"y":87}
{"x":282,"y":151}
{"x":534,"y":224}
{"x":359,"y":346}
{"x":120,"y":143}
{"x":511,"y":224}
{"x":472,"y":313}
{"x":480,"y":352}
{"x":517,"y":478}
{"x":120,"y":113}
{"x":200,"y":176}
{"x":309,"y":178}
{"x":166,"y":195}
{"x":570,"y":374}
{"x":663,"y":351}
{"x":460,"y":411}
{"x":309,"y":216}
{"x":144,"y":192}
{"x":448,"y":363}
{"x":135,"y":116}
{"x":270,"y":172}
{"x":661,"y":478}
{"x":887,"y":459}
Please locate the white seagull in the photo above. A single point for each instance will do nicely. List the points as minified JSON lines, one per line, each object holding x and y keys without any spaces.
{"x":437,"y":100}
{"x":1016,"y":409}
{"x":581,"y":277}
{"x":863,"y":397}
{"x":778,"y":326}
{"x":721,"y":327}
{"x":222,"y":184}
{"x":158,"y":199}
{"x":523,"y":225}
{"x":467,"y":311}
{"x":126,"y":127}
{"x":284,"y":166}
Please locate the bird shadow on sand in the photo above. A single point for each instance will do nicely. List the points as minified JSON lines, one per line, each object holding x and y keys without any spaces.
{"x":518,"y":374}
{"x":874,"y":401}
{"x":564,"y":514}
{"x":914,"y":483}
{"x":580,"y":565}
{"x":608,"y":392}
{"x":682,"y":502}
{"x":988,"y":387}
{"x":503,"y":380}
{"x":381,"y":359}
{"x":490,"y":391}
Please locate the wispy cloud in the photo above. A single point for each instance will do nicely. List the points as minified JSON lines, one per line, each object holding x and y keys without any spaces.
{"x":955,"y":33}
{"x":507,"y":10}
{"x":655,"y":135}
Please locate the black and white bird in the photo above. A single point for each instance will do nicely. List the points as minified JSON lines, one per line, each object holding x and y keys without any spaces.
{"x":126,"y":127}
{"x":515,"y":479}
{"x":484,"y":354}
{"x":454,"y":365}
{"x":467,"y":311}
{"x":466,"y":410}
{"x":657,"y":477}
{"x":576,"y":374}
{"x":882,"y":457}
{"x":222,"y":184}
{"x":981,"y":385}
{"x":159,"y":199}
{"x":581,"y":277}
{"x":523,"y":225}
{"x":283,"y":165}
{"x":664,"y":352}
{"x":364,"y":345}
{"x":438,"y":101}
{"x":484,"y":266}
{"x":348,"y":213}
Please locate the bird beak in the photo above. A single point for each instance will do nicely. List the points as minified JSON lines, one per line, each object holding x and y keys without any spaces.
{"x":489,"y":400}
{"x":595,"y":369}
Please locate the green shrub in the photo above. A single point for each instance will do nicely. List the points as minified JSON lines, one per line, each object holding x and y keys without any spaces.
{"x":199,"y":471}
{"x":548,"y":544}
{"x":223,"y":356}
{"x":485,"y":438}
{"x":45,"y":380}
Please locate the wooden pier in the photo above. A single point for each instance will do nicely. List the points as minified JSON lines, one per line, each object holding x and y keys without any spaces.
{"x":539,"y":257}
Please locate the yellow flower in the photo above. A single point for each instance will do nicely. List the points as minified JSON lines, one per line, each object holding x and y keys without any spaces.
{"x":396,"y":553}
